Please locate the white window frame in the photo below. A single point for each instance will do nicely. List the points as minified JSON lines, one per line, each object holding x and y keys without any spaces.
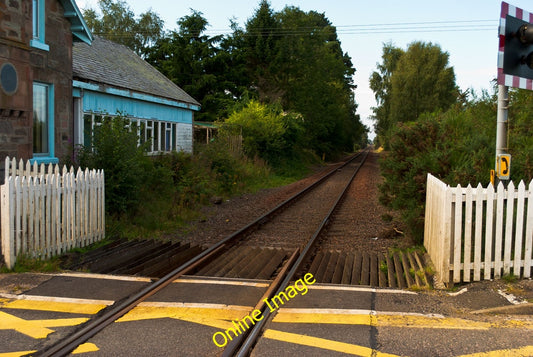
{"x":161,"y":135}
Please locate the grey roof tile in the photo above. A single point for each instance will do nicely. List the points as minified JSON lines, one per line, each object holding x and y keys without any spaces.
{"x":116,"y":65}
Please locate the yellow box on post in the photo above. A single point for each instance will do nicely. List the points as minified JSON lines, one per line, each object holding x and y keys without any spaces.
{"x":504,"y":166}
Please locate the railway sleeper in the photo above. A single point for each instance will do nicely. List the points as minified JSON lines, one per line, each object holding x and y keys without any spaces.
{"x":209,"y":269}
{"x":398,"y":270}
{"x":272,"y":266}
{"x":111,"y":248}
{"x":162,"y":252}
{"x":108,"y":263}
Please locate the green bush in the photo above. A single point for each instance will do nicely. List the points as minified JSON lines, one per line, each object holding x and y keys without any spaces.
{"x":456,"y":146}
{"x":267,"y":131}
{"x":152,"y":195}
{"x":115,"y":150}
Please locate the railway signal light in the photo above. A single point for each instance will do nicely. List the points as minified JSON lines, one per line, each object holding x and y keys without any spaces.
{"x":518,"y":50}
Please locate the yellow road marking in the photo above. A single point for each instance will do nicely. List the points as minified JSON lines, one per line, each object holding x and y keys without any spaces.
{"x":360,"y":289}
{"x":447,"y":323}
{"x":69,"y":307}
{"x":222,"y":282}
{"x":214,"y":317}
{"x":84,"y":348}
{"x":325,"y":318}
{"x":194,"y":305}
{"x":324,"y":344}
{"x":523,"y":351}
{"x":35,"y":328}
{"x":105,"y":277}
{"x":319,"y":316}
{"x":220,"y":316}
{"x":16,"y":354}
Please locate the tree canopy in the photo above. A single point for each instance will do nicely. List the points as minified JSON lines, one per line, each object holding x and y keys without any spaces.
{"x":409,"y":83}
{"x":119,"y":24}
{"x":290,"y":58}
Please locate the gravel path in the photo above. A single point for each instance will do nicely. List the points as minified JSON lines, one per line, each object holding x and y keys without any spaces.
{"x":358,"y":223}
{"x":354,"y":229}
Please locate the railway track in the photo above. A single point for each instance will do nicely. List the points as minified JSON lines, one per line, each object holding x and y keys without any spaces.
{"x":243,"y":255}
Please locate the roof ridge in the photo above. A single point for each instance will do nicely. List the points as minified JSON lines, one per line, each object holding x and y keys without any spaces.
{"x":108,"y":62}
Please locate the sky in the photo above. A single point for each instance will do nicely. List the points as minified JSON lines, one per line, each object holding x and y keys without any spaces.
{"x":466,"y":29}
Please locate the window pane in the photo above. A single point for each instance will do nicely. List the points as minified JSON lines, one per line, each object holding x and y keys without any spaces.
{"x":156,"y":136}
{"x":40,"y":119}
{"x":162,"y":136}
{"x":36,"y":19}
{"x":149,"y":134}
{"x":173,"y":136}
{"x":142,"y":132}
{"x":87,"y":130}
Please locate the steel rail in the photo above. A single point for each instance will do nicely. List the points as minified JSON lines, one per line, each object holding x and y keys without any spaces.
{"x":92,"y":327}
{"x":253,"y":333}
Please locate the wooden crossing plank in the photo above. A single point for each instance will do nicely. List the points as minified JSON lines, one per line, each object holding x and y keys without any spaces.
{"x":330,"y":270}
{"x":421,"y":268}
{"x":374,"y":270}
{"x":316,"y":263}
{"x":246,"y":260}
{"x":407,"y":270}
{"x":269,"y":268}
{"x":255,"y":266}
{"x":390,"y":272}
{"x":323,"y":266}
{"x":382,"y":264}
{"x":339,"y":269}
{"x":365,"y":270}
{"x":413,"y":265}
{"x":399,"y":272}
{"x":348,"y":265}
{"x":356,"y":271}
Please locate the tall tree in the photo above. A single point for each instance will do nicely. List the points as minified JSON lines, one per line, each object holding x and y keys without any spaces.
{"x":260,"y":41}
{"x":314,"y":78}
{"x":208,"y":68}
{"x":380,"y":83}
{"x":119,"y":24}
{"x":423,"y":81}
{"x":410,"y":83}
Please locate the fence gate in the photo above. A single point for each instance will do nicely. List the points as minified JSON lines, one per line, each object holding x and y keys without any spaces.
{"x":44,"y":212}
{"x":474,"y":234}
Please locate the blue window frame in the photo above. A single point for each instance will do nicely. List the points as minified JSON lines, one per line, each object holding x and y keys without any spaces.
{"x":43,"y":123}
{"x":38,"y":39}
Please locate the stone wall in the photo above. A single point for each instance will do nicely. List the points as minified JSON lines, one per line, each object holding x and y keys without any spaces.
{"x":32,"y":64}
{"x":16,"y":108}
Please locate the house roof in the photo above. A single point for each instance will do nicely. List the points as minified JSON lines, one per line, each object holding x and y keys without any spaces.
{"x":106,"y":62}
{"x":79,"y":28}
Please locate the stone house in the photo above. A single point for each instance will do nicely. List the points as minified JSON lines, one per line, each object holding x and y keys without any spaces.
{"x":36,"y":37}
{"x":57,"y":81}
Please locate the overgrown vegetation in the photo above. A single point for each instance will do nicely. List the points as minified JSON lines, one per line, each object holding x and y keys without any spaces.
{"x":147,"y":196}
{"x":290,"y":97}
{"x":452,"y":140}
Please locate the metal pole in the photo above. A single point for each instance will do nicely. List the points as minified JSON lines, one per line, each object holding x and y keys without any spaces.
{"x":501,"y":125}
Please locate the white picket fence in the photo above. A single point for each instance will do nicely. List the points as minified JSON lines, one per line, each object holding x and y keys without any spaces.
{"x":45,"y":212}
{"x":474,"y":234}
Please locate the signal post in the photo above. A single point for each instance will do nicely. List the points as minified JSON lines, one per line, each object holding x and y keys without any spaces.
{"x":515,"y":69}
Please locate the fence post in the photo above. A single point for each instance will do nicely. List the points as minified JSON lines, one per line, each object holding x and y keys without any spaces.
{"x":6,"y":172}
{"x":517,"y":265}
{"x":489,"y":236}
{"x":457,"y":234}
{"x":528,"y":258}
{"x":8,"y":249}
{"x":509,"y":229}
